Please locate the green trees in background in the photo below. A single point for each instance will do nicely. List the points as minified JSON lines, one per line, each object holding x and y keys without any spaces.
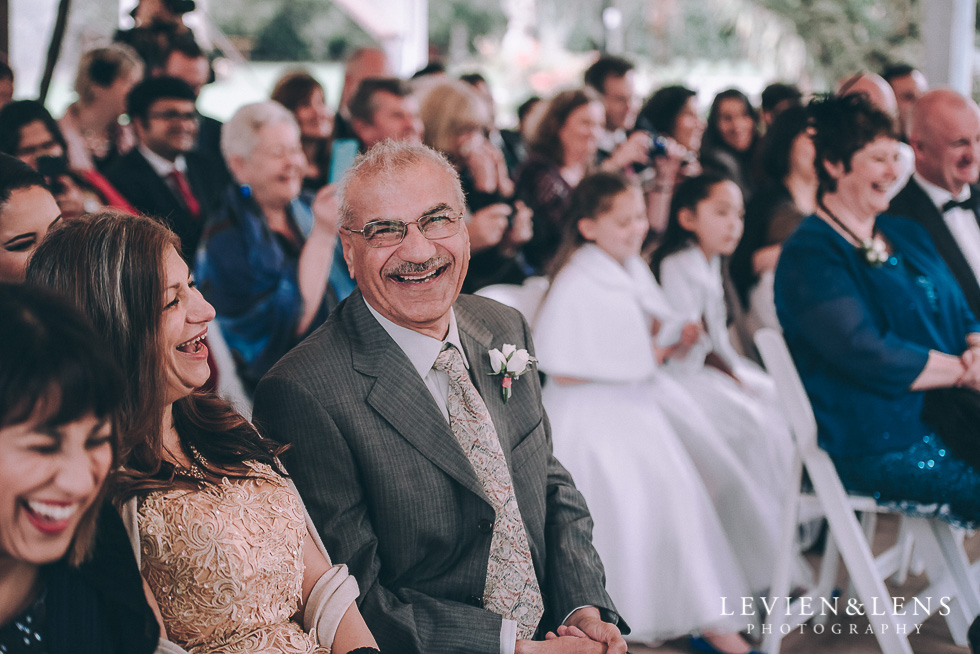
{"x":839,"y":36}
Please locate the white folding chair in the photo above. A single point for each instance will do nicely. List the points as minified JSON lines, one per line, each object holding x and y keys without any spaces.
{"x":937,"y":544}
{"x":525,"y":297}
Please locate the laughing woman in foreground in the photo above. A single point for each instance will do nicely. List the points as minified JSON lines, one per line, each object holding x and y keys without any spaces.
{"x":68,"y":581}
{"x":879,"y":330}
{"x":223,"y":538}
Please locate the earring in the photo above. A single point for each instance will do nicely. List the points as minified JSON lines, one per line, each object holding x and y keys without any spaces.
{"x":246,"y":191}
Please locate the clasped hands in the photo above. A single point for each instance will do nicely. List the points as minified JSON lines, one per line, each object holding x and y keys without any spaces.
{"x":970,"y":360}
{"x":583,"y":632}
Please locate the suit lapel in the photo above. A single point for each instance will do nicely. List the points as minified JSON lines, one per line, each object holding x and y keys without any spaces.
{"x":164,"y":202}
{"x":401,"y":397}
{"x":923,"y":211}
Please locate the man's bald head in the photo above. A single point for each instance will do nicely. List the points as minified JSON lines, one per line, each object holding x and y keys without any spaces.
{"x":945,"y":136}
{"x":874,"y":88}
{"x":363,"y":63}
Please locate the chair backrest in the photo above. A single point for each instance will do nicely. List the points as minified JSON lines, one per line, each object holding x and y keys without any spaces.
{"x":789,"y":387}
{"x":525,"y":297}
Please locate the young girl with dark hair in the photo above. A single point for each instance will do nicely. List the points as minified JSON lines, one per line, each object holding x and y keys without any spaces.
{"x":623,"y":428}
{"x":705,"y":224}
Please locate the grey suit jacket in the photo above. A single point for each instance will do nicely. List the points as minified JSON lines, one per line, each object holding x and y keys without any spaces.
{"x":395,"y":498}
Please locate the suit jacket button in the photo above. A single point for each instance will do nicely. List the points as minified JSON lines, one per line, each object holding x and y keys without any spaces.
{"x":473,"y":600}
{"x":485,"y":526}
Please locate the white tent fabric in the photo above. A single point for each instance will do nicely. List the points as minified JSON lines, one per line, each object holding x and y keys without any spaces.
{"x":401,"y":27}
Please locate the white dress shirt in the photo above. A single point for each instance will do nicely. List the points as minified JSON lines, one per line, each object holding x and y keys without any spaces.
{"x":422,"y":351}
{"x":962,"y":223}
{"x":163,"y":167}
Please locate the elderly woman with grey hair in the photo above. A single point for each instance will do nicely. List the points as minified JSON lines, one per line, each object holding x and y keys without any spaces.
{"x":269,"y":259}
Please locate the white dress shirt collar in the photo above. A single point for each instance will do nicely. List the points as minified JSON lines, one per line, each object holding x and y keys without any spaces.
{"x":939,"y":195}
{"x":420,"y":349}
{"x":163,"y":167}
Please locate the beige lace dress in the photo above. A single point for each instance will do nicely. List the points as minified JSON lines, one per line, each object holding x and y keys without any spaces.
{"x":226,"y":565}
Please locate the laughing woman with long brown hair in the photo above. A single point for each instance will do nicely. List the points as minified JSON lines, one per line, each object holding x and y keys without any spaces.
{"x":224,"y":541}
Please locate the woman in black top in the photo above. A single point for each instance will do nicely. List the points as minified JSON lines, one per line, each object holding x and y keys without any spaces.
{"x":68,"y":580}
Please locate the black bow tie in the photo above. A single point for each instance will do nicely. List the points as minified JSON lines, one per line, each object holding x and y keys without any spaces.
{"x":967,"y":204}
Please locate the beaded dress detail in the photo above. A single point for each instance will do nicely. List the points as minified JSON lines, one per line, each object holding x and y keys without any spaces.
{"x":225,"y":563}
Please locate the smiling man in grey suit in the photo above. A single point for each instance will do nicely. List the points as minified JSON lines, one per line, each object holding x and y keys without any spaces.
{"x":464,"y":532}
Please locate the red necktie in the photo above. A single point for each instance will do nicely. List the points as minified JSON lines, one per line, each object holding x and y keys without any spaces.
{"x":184,"y":189}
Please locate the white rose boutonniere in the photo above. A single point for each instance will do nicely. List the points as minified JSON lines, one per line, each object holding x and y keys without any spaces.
{"x":511,"y":363}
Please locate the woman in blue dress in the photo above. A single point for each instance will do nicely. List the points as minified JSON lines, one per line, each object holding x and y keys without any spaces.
{"x":878,"y":327}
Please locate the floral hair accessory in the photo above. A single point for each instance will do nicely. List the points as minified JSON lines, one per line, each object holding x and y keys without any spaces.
{"x":511,"y":363}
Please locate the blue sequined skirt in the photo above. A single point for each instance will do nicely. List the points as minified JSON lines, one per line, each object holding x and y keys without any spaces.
{"x":922,"y":480}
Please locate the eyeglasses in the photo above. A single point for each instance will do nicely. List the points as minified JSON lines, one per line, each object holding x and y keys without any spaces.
{"x":385,"y":233}
{"x":175,"y":116}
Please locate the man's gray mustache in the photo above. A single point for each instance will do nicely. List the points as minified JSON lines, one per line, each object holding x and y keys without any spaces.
{"x":409,"y":268}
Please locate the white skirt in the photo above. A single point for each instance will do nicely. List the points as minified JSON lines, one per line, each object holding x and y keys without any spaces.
{"x":667,"y":557}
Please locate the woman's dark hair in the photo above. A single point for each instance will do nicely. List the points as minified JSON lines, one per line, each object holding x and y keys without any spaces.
{"x":593,"y":196}
{"x":54,"y":368}
{"x":20,"y":113}
{"x":842,"y":126}
{"x":16,"y":175}
{"x":712,"y":135}
{"x":526,"y":107}
{"x":688,"y":195}
{"x":789,"y":124}
{"x":112,"y":265}
{"x":294,"y":90}
{"x":659,"y":113}
{"x":544,"y":141}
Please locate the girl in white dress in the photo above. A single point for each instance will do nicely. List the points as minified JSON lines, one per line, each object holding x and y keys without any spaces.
{"x":678,"y":525}
{"x":705,"y":224}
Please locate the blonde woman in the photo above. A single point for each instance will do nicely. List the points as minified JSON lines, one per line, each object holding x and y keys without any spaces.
{"x":457,"y":121}
{"x":91,"y":124}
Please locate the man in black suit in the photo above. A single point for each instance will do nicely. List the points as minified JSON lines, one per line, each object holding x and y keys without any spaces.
{"x":424,"y":480}
{"x":941,"y":195}
{"x":163,"y":177}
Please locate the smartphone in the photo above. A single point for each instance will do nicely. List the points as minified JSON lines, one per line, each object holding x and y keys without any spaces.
{"x":341,"y":158}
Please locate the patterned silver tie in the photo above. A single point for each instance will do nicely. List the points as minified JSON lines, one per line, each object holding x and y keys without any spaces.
{"x":512,"y":587}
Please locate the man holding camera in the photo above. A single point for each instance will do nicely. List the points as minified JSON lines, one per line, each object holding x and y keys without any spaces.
{"x":612,"y":78}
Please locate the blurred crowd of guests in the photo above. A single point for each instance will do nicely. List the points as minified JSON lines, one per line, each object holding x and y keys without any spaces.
{"x":667,"y":240}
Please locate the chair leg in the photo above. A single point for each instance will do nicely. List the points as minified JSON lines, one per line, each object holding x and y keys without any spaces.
{"x":946,"y":564}
{"x":907,"y":544}
{"x":857,"y":556}
{"x":869,"y":523}
{"x":782,"y":572}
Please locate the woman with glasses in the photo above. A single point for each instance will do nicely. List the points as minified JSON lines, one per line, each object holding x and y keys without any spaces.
{"x":30,"y":133}
{"x":269,"y":258}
